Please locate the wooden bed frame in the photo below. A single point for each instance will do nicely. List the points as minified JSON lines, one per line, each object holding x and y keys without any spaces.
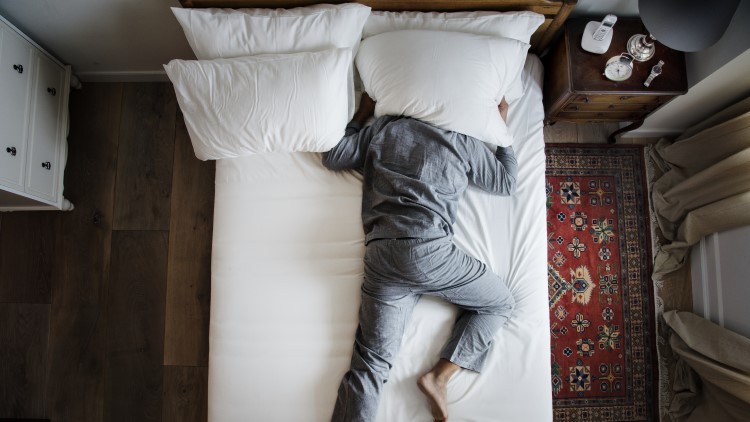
{"x":554,"y":11}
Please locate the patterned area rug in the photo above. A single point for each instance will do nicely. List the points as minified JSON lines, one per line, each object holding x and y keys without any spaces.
{"x":601,"y":300}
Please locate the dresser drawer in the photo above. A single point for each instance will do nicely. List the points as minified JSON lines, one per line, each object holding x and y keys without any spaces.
{"x":34,"y":89}
{"x":15,"y":85}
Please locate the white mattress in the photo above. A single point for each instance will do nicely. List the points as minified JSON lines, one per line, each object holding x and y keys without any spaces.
{"x":286,"y":276}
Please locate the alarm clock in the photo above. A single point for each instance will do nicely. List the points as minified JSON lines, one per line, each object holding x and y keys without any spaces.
{"x":619,"y":68}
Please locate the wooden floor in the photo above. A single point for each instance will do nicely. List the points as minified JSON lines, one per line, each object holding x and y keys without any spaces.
{"x":104,"y":310}
{"x":565,"y":132}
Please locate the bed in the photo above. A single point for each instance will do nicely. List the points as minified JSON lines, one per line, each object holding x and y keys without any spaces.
{"x":287,"y":270}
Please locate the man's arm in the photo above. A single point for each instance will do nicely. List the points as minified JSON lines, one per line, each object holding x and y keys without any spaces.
{"x":495,"y":174}
{"x":351,"y":150}
{"x":498,"y":175}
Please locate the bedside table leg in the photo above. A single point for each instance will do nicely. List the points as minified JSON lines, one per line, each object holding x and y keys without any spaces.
{"x":628,"y":128}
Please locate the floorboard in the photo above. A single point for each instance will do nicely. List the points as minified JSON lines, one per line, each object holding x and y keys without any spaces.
{"x":77,"y":319}
{"x":185,"y":393}
{"x":596,"y":133}
{"x":561,"y":132}
{"x":133,"y":373}
{"x":189,"y":272}
{"x":145,"y":156}
{"x":27,"y":251}
{"x":23,"y":360}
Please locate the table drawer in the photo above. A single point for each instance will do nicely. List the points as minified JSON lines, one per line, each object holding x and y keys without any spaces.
{"x":621,"y":99}
{"x":618,"y":116}
{"x":611,"y":107}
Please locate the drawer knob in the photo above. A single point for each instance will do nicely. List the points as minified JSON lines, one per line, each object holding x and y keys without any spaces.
{"x":18,"y":68}
{"x":11,"y":151}
{"x":625,"y":97}
{"x":52,"y":91}
{"x":47,"y":165}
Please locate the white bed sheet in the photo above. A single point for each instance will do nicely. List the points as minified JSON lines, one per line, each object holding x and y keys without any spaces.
{"x":286,"y":276}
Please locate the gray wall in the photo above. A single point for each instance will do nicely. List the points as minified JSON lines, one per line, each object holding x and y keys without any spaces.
{"x":599,"y":8}
{"x":734,"y":42}
{"x":717,"y":77}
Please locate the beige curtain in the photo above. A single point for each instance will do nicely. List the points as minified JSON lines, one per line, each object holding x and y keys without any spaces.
{"x":712,"y":377}
{"x":705,"y":186}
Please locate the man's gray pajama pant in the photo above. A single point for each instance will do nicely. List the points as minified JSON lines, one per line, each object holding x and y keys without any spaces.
{"x":397,"y":273}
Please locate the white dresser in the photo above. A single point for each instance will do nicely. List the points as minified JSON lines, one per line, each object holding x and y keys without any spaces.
{"x":34,"y":89}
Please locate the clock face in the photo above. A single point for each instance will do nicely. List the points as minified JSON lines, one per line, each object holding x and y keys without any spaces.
{"x":617,"y":70}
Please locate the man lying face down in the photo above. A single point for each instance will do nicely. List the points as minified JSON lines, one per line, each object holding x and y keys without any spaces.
{"x":414,"y":177}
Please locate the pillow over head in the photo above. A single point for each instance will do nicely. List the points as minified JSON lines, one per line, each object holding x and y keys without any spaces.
{"x":266,"y":103}
{"x":517,"y":25}
{"x":453,"y":80}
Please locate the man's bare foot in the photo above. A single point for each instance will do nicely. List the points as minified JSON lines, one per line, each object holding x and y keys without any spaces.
{"x":434,"y":385}
{"x":437,"y":394}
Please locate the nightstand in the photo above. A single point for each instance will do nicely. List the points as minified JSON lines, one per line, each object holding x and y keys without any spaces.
{"x":575,"y":89}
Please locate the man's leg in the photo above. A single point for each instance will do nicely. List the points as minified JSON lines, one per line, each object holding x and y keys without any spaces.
{"x":382,"y":319}
{"x":486,"y":304}
{"x":469,"y":345}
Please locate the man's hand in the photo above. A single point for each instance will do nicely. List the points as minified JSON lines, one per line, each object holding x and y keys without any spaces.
{"x":366,"y":109}
{"x":503,"y":109}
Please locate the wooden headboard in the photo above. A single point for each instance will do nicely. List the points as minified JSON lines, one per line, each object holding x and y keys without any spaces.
{"x":554,"y":11}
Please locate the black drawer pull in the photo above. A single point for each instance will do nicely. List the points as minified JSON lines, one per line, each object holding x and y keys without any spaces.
{"x":47,"y":165}
{"x":625,"y":97}
{"x":52,"y":91}
{"x":11,"y":151}
{"x":18,"y":68}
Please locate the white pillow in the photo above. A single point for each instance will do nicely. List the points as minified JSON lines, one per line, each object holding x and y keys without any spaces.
{"x":517,"y":25}
{"x":266,"y":103}
{"x":227,"y":33}
{"x":451,"y":80}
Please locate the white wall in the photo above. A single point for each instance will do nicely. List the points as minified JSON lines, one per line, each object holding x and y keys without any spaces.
{"x":734,"y":42}
{"x":721,"y":280}
{"x":596,"y":8}
{"x":103,"y":38}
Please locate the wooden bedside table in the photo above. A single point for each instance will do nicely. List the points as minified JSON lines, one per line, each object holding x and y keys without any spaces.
{"x":575,"y":89}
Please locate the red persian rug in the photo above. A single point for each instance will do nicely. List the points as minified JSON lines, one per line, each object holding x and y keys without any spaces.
{"x":601,"y":303}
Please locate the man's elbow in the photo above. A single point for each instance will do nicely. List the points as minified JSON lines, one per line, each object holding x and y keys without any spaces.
{"x":328,"y":161}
